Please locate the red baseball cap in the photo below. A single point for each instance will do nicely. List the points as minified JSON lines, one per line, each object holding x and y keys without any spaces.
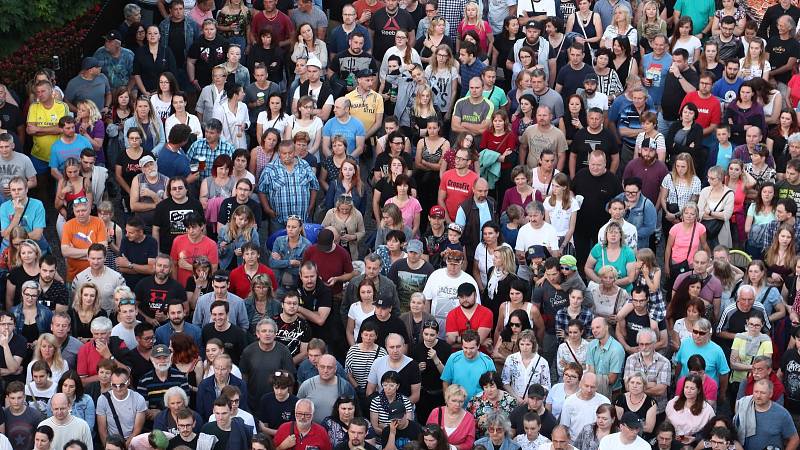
{"x":437,"y":212}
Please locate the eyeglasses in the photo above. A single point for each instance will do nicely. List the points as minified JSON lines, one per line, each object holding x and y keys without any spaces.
{"x":345,"y":199}
{"x":149,"y":338}
{"x":127,"y":301}
{"x":299,"y":414}
{"x":496,"y":430}
{"x":631,"y":192}
{"x":699,"y":332}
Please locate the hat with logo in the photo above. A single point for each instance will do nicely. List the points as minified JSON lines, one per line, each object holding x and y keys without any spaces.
{"x":161,"y":350}
{"x":146,"y":159}
{"x":112,"y":36}
{"x":414,"y":245}
{"x":436,"y":212}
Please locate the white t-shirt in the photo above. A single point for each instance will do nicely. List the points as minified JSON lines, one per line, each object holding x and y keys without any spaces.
{"x":628,"y":229}
{"x":312,"y":130}
{"x":244,"y":415}
{"x":559,"y":218}
{"x":577,"y":413}
{"x":546,"y":235}
{"x":691,"y":45}
{"x":613,"y":441}
{"x":161,"y":108}
{"x":279,"y":123}
{"x":126,"y":335}
{"x":525,"y":6}
{"x":358,"y":315}
{"x":194,"y":124}
{"x":441,"y":290}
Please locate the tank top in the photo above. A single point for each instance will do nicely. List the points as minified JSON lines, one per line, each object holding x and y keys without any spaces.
{"x":589,"y":27}
{"x":431,"y":157}
{"x":508,"y":311}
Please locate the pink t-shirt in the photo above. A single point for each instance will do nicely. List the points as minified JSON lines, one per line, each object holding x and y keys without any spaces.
{"x":483,"y":35}
{"x":682,"y":237}
{"x":409,"y":210}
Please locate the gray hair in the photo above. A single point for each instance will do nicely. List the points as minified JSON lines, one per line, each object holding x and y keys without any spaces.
{"x":703,"y":324}
{"x":125,"y":290}
{"x":646,"y":332}
{"x":499,"y":419}
{"x":791,"y":21}
{"x":763,"y":359}
{"x":267,"y":321}
{"x":130,"y":10}
{"x":395,"y":336}
{"x":31,"y":284}
{"x":793,"y":138}
{"x":372,"y":257}
{"x":304,"y":401}
{"x":691,"y":205}
{"x":746,"y":287}
{"x":535,"y":207}
{"x":100,"y":324}
{"x":173,"y":391}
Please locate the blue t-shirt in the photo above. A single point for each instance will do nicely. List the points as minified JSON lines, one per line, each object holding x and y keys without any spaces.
{"x":465,"y":372}
{"x":776,"y":427}
{"x":724,"y":155}
{"x":349,"y":130}
{"x":716,"y":363}
{"x":172,"y":163}
{"x":657,"y":70}
{"x":726,"y":92}
{"x":32,"y":218}
{"x":60,"y":151}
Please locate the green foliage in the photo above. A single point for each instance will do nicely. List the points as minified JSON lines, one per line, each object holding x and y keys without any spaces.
{"x":20,"y":19}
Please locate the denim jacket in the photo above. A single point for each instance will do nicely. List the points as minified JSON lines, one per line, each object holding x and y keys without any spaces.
{"x":43,"y":317}
{"x":643,"y":216}
{"x":82,"y":408}
{"x":281,"y":247}
{"x":226,"y":254}
{"x":190,"y":31}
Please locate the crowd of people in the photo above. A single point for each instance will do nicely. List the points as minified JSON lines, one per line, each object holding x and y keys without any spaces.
{"x":407,"y":225}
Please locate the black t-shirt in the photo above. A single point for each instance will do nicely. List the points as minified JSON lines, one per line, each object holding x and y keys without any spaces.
{"x":169,"y":220}
{"x":222,"y":436}
{"x":548,"y":421}
{"x":177,"y":42}
{"x":386,"y":26}
{"x":234,"y":339}
{"x":549,"y":300}
{"x":404,"y":436}
{"x":138,"y":253}
{"x":596,"y":191}
{"x":207,"y":55}
{"x":319,"y":297}
{"x":393,"y":325}
{"x":674,"y":93}
{"x":153,"y":297}
{"x":382,"y":161}
{"x":346,"y":64}
{"x":585,"y":142}
{"x":433,"y":246}
{"x":230,"y":204}
{"x":139,"y":366}
{"x":20,"y":429}
{"x":430,"y":377}
{"x":292,"y":334}
{"x":633,"y":324}
{"x":274,"y":413}
{"x":571,"y":79}
{"x":178,"y":441}
{"x":17,"y":276}
{"x":779,"y":53}
{"x":790,"y":368}
{"x":10,"y":117}
{"x":56,"y":294}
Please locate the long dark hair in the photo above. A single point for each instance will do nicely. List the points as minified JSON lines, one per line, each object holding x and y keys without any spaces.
{"x":697,"y":408}
{"x":760,"y":202}
{"x":677,"y":307}
{"x":437,"y":433}
{"x":71,"y":375}
{"x":568,"y":114}
{"x":520,"y":314}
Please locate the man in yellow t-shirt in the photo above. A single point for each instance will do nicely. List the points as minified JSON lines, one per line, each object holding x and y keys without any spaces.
{"x":43,"y":116}
{"x":366,"y":105}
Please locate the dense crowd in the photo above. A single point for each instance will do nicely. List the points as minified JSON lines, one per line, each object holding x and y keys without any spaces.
{"x":407,"y":225}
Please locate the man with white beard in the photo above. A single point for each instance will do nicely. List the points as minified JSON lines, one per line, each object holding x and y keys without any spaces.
{"x":163,"y":376}
{"x":303,"y":429}
{"x":656,"y":368}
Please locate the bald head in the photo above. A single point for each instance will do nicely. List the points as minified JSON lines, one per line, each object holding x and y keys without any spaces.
{"x":480,"y":190}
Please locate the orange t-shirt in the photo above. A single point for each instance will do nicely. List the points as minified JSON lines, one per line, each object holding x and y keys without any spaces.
{"x":81,"y":237}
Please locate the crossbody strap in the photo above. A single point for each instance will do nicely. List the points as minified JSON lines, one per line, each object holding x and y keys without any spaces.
{"x":114,"y":413}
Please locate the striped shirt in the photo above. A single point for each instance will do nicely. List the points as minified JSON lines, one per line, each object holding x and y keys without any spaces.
{"x":152,"y":388}
{"x":358,"y":362}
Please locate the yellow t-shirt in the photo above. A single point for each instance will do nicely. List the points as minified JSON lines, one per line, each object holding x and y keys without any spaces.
{"x":42,"y":117}
{"x":739,"y":346}
{"x":364,"y":108}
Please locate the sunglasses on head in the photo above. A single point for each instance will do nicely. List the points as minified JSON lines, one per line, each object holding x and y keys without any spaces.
{"x":431,"y":324}
{"x":80,"y":200}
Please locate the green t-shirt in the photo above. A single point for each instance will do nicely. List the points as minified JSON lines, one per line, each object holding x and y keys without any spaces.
{"x":701,"y":12}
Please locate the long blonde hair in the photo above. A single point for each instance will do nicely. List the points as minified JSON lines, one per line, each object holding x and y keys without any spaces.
{"x":762,"y":58}
{"x":690,"y":172}
{"x":94,"y":113}
{"x":77,"y":303}
{"x":247,"y":232}
{"x":154,"y":121}
{"x":58,"y":361}
{"x":32,"y":245}
{"x":419,"y":108}
{"x":478,"y":16}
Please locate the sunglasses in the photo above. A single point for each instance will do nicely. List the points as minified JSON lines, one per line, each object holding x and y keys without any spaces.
{"x":127,"y":301}
{"x":566,"y":268}
{"x":699,"y":332}
{"x":119,"y":385}
{"x":514,"y":324}
{"x":80,"y":200}
{"x":295,"y":217}
{"x":431,"y":324}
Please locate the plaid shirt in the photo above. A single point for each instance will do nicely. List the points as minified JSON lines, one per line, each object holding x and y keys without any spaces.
{"x":289,"y":193}
{"x":453,"y":12}
{"x":655,"y":301}
{"x":659,"y":371}
{"x":200,"y":148}
{"x":585,"y":316}
{"x":772,"y":228}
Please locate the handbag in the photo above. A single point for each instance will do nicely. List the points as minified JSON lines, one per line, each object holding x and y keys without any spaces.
{"x":714,"y":226}
{"x":681,"y":267}
{"x":673,"y":208}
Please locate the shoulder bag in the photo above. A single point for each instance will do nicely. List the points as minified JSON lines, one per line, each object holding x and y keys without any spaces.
{"x":681,"y":267}
{"x":714,"y":226}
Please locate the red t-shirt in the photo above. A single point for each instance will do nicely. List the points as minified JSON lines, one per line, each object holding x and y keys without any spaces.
{"x":240,"y":283}
{"x":206,"y":247}
{"x":331,"y":264}
{"x":361,"y":6}
{"x":456,"y":321}
{"x":709,"y":387}
{"x":281,"y":26}
{"x":709,"y":108}
{"x":316,"y":437}
{"x":457,"y":189}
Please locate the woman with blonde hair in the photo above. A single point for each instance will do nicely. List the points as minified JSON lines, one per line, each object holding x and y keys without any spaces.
{"x":26,"y":268}
{"x":261,"y":302}
{"x":422,"y":112}
{"x":609,"y":298}
{"x":434,"y":38}
{"x":47,"y":349}
{"x":561,"y":211}
{"x":349,"y":221}
{"x":685,"y":239}
{"x":612,"y":251}
{"x":755,"y":63}
{"x":89,"y":124}
{"x":650,"y":24}
{"x":716,"y":208}
{"x":452,"y":416}
{"x":442,"y":74}
{"x":9,"y":258}
{"x":31,"y":317}
{"x":241,"y":229}
{"x":473,"y":21}
{"x":153,"y":137}
{"x":85,"y":308}
{"x":621,"y":27}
